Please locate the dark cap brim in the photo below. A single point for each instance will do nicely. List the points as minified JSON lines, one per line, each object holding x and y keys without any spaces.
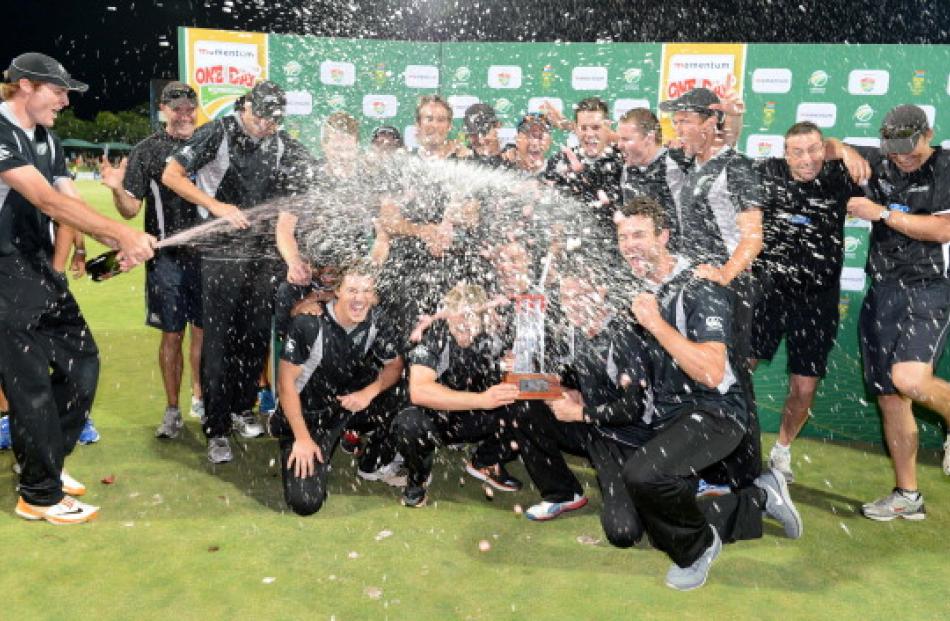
{"x":898,"y":146}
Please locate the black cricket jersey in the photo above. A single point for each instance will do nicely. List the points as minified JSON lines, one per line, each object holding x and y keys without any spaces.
{"x":709,"y":201}
{"x":471,"y":369}
{"x":803,"y":224}
{"x":700,"y":310}
{"x":660,"y":180}
{"x":894,"y":257}
{"x":166,"y":213}
{"x":595,"y":366}
{"x":24,"y":229}
{"x":336,"y":361}
{"x":599,"y":173}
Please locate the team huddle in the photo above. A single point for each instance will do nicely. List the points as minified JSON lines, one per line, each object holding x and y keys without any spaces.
{"x":395,"y":328}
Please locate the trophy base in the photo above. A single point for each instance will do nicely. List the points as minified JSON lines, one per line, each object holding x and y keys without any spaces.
{"x":535,"y":385}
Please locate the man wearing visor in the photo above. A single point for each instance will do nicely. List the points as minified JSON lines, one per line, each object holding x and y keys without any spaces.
{"x":906,"y":314}
{"x":173,"y":278}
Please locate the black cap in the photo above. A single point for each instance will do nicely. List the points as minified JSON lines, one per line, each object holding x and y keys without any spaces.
{"x":695,"y":100}
{"x":386,"y":131}
{"x":901,"y":129}
{"x":176,"y":91}
{"x":267,"y":100}
{"x":479,"y":119}
{"x":42,"y":68}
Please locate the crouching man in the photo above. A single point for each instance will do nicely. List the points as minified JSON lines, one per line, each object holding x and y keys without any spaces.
{"x":700,"y":414}
{"x":334,"y":366}
{"x":457,"y":395}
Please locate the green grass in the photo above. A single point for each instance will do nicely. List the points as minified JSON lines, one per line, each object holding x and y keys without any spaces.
{"x":181,"y":539}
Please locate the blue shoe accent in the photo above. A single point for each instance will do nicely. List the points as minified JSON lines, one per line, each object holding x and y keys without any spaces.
{"x":5,"y":440}
{"x":266,"y":400}
{"x":89,"y":433}
{"x":704,"y":489}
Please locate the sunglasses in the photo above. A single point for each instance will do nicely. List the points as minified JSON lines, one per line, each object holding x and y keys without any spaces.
{"x":891,"y":133}
{"x":178,"y":93}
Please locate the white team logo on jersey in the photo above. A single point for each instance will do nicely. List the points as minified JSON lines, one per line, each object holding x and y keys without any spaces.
{"x":4,"y":153}
{"x":714,"y":323}
{"x":41,"y":149}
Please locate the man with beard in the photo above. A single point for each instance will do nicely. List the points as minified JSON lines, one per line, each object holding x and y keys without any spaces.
{"x":238,"y":161}
{"x":697,"y":410}
{"x":173,"y":277}
{"x":805,"y":208}
{"x":49,"y":362}
{"x":906,"y":313}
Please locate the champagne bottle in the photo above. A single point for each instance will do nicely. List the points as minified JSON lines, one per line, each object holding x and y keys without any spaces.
{"x":104,"y":266}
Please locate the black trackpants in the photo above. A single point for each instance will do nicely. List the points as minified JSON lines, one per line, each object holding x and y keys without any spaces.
{"x":238,"y":300}
{"x":306,"y":495}
{"x":542,"y":438}
{"x":662,"y":477}
{"x":49,"y":369}
{"x":419,"y":430}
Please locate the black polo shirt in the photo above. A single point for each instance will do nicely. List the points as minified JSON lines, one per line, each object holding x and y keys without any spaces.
{"x":803,"y":224}
{"x":166,"y":213}
{"x":599,"y":173}
{"x":894,"y":257}
{"x":336,"y":361}
{"x":660,"y":180}
{"x":24,"y":229}
{"x":471,"y":369}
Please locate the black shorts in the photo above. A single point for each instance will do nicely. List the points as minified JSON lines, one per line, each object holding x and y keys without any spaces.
{"x":173,"y":290}
{"x":902,"y":324}
{"x":808,"y":320}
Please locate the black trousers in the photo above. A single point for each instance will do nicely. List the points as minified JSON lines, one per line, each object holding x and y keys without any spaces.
{"x":418,"y":431}
{"x":238,"y":301}
{"x":662,"y":477}
{"x":306,"y":495}
{"x":542,"y":438}
{"x":49,"y":369}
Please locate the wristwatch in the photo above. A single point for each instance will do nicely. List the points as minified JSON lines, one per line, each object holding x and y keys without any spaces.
{"x":885,"y":214}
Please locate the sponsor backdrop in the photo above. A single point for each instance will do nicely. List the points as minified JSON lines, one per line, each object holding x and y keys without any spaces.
{"x":845,"y":89}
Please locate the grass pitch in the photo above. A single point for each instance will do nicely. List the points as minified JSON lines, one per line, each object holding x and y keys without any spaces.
{"x":179,"y":538}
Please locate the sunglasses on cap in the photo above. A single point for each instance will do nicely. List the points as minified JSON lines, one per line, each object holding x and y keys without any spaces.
{"x":178,"y":93}
{"x":900,"y":132}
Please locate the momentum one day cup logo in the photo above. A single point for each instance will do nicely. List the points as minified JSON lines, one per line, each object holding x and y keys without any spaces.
{"x":223,"y":71}
{"x":868,"y":82}
{"x":689,"y":71}
{"x":767,"y":80}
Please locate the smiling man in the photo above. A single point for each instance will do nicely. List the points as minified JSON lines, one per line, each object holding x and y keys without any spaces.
{"x":49,"y":363}
{"x":906,"y":314}
{"x":804,"y":212}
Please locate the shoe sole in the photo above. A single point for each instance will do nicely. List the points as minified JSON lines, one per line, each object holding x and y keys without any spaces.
{"x":165,"y":435}
{"x":74,"y":491}
{"x":787,"y":499}
{"x":912,"y":517}
{"x":36,"y":517}
{"x":423,"y":503}
{"x":478,"y":474}
{"x":221,"y":461}
{"x":566,"y":508}
{"x":705,"y":577}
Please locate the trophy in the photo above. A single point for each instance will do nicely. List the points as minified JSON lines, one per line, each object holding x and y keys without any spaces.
{"x":528,"y":366}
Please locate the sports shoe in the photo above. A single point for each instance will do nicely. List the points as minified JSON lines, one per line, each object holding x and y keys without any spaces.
{"x":545,"y":510}
{"x":266,"y":402}
{"x":197,"y":409}
{"x":414,"y":496}
{"x":946,"y":455}
{"x":350,"y":442}
{"x":895,"y":505}
{"x":171,"y":424}
{"x":496,"y":476}
{"x":247,"y":425}
{"x":5,"y":440}
{"x":778,"y":502}
{"x":71,"y":487}
{"x":780,"y":458}
{"x":89,"y":434}
{"x":711,"y":490}
{"x":219,"y":451}
{"x":694,"y":576}
{"x":388,"y":474}
{"x":66,"y":511}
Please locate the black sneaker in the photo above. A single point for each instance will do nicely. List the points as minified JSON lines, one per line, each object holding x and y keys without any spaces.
{"x":496,"y":476}
{"x":414,"y":496}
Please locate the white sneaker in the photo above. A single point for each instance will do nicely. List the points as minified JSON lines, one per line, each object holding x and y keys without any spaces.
{"x":71,"y":487}
{"x":197,"y":409}
{"x":66,"y":511}
{"x":781,"y":459}
{"x":946,"y":456}
{"x":219,"y":451}
{"x":171,"y":424}
{"x":388,"y":474}
{"x":247,"y":425}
